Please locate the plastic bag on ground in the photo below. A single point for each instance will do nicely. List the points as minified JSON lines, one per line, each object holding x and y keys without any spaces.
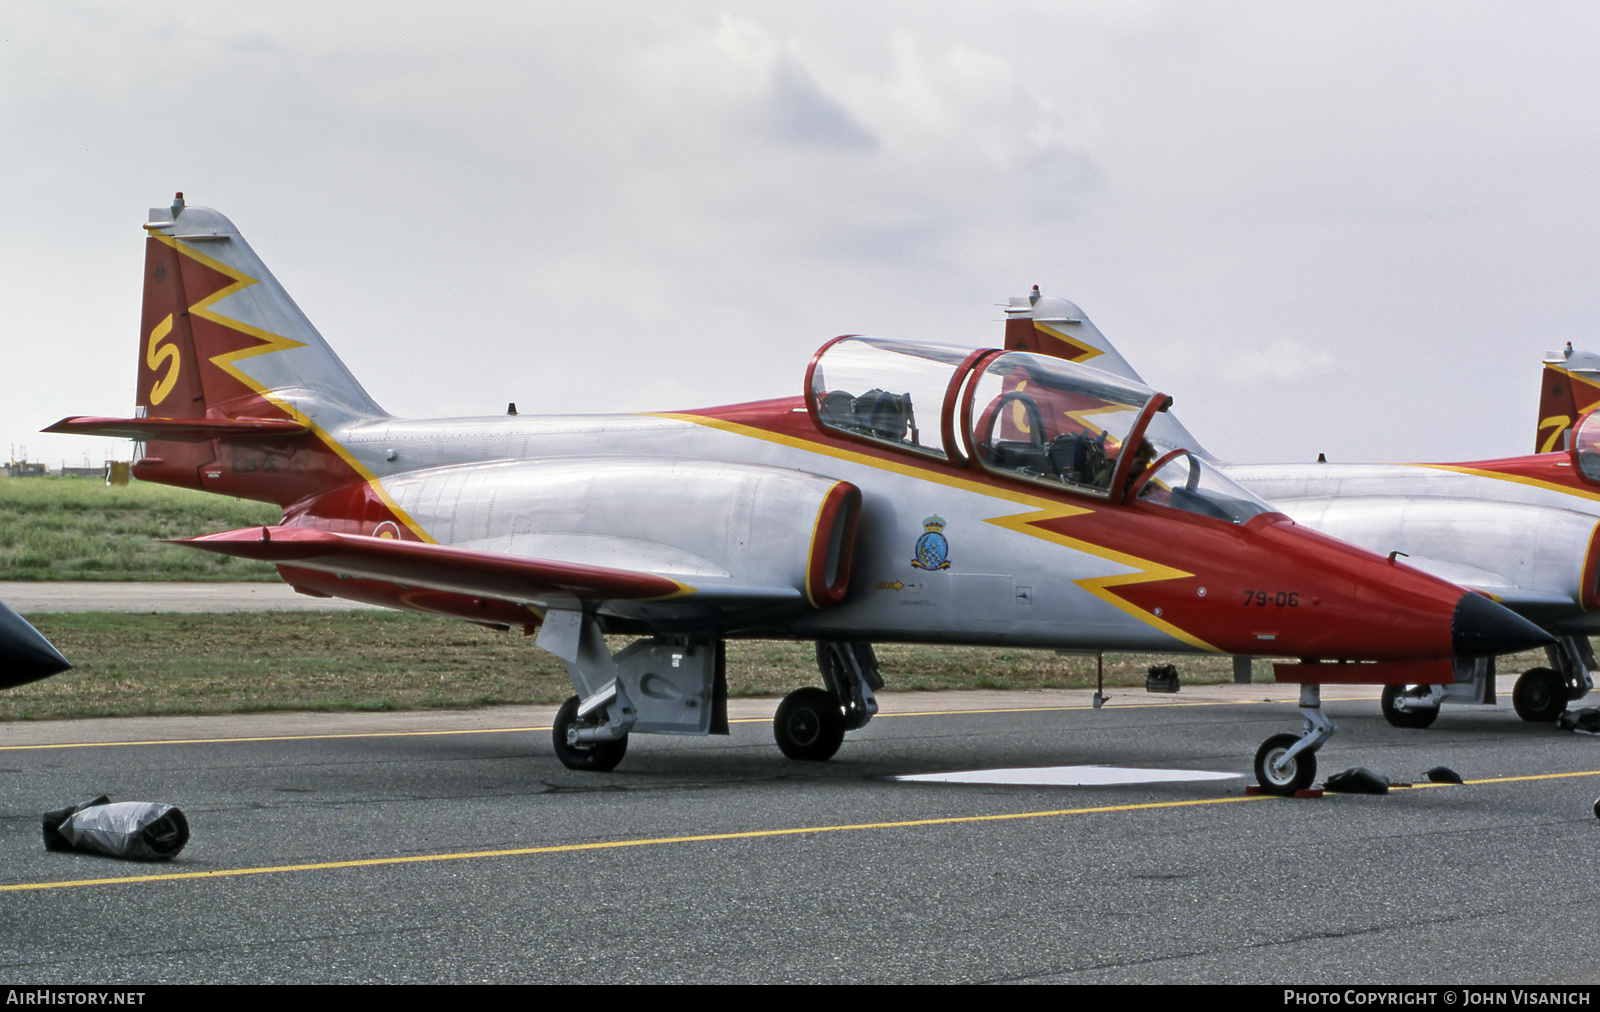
{"x":136,"y":830}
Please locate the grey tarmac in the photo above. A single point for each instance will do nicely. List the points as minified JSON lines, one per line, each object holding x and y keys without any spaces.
{"x":453,"y":847}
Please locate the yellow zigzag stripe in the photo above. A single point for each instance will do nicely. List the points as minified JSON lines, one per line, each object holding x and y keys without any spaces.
{"x":1101,"y":586}
{"x":272,"y":343}
{"x":1089,"y":350}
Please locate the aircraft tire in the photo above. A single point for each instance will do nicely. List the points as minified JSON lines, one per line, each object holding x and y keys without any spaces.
{"x":1297,"y":777}
{"x":1540,"y":695}
{"x":592,"y":757}
{"x":809,"y":725}
{"x":1405,"y":718}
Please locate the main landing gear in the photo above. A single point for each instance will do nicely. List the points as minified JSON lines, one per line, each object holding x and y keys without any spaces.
{"x":1287,"y":763}
{"x":1540,"y":696}
{"x":662,"y":685}
{"x":811,"y":722}
{"x":574,"y":751}
{"x":678,"y":685}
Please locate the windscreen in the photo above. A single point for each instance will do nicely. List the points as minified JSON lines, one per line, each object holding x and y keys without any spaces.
{"x":1193,"y":485}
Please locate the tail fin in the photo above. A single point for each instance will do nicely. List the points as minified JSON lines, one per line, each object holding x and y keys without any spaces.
{"x":1046,"y":325}
{"x":1570,"y":389}
{"x":237,"y":391}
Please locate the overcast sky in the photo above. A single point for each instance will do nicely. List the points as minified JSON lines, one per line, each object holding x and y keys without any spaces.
{"x":1341,"y":227}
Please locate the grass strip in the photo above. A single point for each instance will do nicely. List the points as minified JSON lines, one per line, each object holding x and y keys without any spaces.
{"x":82,"y":529}
{"x":130,"y":664}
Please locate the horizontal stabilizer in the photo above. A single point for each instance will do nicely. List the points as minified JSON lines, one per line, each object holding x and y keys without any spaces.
{"x":180,"y":430}
{"x":439,"y":567}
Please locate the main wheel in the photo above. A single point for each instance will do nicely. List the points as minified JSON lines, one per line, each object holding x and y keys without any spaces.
{"x":1405,"y":718}
{"x":1540,"y":695}
{"x":592,"y":756}
{"x":809,"y":725}
{"x":1302,"y":769}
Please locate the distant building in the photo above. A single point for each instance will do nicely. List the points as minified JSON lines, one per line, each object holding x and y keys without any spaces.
{"x":24,"y":469}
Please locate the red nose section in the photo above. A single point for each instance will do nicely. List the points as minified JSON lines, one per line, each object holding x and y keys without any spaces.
{"x":1289,"y":591}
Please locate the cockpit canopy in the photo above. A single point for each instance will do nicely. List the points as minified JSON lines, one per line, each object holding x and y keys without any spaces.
{"x":1586,"y":447}
{"x":1018,"y":415}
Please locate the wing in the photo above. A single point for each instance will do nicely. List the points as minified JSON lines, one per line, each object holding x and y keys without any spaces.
{"x":540,"y":583}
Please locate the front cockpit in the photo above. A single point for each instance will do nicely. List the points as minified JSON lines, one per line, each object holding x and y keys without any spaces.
{"x":1017,"y":415}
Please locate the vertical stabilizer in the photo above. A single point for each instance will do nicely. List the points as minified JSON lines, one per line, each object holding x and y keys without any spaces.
{"x":1046,"y":325}
{"x":1569,"y":389}
{"x":250,"y":339}
{"x":220,"y":340}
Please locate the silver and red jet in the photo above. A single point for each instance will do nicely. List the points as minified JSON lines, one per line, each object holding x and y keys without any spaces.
{"x":911,"y":492}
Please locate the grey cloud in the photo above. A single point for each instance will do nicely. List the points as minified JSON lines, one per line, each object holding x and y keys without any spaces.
{"x":802,"y":113}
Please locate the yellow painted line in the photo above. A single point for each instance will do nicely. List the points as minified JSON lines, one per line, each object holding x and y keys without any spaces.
{"x":661,"y":841}
{"x":546,"y":727}
{"x":271,"y":737}
{"x":1536,"y":776}
{"x":569,"y":848}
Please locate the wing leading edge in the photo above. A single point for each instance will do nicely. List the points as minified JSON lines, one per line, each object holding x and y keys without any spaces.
{"x":542,"y":583}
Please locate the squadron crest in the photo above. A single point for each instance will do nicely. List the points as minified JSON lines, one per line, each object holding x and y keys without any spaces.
{"x":933,"y":550}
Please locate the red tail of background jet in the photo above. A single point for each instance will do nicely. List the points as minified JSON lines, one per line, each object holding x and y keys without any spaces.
{"x":1569,"y":389}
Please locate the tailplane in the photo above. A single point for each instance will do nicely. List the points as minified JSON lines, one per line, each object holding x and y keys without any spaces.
{"x":237,"y":392}
{"x":1570,"y":388}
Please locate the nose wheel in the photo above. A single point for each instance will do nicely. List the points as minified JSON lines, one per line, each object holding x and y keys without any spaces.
{"x":1286,"y":763}
{"x":1279,"y":772}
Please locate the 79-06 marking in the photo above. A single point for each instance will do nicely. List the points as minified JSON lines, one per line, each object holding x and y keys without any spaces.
{"x":1278,"y":598}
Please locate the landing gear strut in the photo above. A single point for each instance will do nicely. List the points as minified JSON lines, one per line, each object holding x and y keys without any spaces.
{"x":1286,"y":763}
{"x":659,"y":685}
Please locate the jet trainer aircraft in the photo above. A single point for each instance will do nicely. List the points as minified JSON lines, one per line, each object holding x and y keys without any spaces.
{"x":911,"y":492}
{"x":1522,"y":530}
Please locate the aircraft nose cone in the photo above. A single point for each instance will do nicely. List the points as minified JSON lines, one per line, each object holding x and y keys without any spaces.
{"x":1481,"y":628}
{"x":25,"y":655}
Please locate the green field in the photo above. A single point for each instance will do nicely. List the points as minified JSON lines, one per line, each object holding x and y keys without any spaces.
{"x":82,"y":529}
{"x":132,"y":664}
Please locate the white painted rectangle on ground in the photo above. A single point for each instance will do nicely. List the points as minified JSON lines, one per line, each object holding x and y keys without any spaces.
{"x":1068,"y":776}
